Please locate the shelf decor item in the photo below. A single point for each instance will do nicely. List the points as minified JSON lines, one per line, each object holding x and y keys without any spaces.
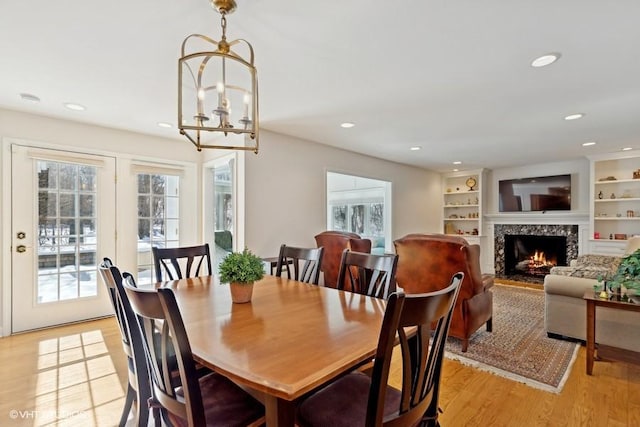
{"x":471,"y":183}
{"x":240,"y":270}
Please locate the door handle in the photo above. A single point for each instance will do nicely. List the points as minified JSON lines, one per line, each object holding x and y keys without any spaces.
{"x":21,"y":249}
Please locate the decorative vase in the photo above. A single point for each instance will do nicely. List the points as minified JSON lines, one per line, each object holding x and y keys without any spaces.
{"x":241,"y":292}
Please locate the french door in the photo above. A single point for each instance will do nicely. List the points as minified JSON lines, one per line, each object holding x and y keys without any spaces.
{"x":63,"y":223}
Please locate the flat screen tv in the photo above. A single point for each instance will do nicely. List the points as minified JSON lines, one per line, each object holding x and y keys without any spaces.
{"x":543,"y":193}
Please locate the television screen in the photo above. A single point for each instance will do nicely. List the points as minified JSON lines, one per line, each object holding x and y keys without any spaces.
{"x":545,"y":193}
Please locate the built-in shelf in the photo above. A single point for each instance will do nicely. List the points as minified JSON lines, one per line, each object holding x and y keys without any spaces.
{"x":462,"y":197}
{"x":615,"y":203}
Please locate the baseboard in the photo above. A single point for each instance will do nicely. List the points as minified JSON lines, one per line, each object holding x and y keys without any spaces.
{"x":565,"y":338}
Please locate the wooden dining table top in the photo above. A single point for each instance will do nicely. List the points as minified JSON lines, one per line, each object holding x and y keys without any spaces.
{"x":290,"y":339}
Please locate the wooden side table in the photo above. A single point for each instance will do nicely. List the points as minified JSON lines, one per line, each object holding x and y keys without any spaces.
{"x":594,"y":301}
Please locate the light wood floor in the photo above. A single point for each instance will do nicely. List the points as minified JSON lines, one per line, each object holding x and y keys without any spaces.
{"x":77,"y":374}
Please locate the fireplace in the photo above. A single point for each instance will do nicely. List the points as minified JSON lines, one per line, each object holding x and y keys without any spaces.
{"x":550,"y":237}
{"x":532,"y":255}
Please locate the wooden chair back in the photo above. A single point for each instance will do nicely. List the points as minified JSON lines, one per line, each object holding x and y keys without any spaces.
{"x":160,"y":334}
{"x":422,"y":356}
{"x":139,"y":388}
{"x":178,"y":263}
{"x":305,"y":263}
{"x":368,"y":274}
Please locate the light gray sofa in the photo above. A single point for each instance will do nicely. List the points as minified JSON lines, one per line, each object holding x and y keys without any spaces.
{"x":565,"y":309}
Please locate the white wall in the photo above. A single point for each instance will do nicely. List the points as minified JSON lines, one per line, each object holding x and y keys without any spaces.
{"x":285,"y":192}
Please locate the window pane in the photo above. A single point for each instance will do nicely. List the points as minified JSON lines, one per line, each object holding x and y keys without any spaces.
{"x":144,"y":206}
{"x":47,"y":204}
{"x":88,"y":181}
{"x":144,"y":186}
{"x":68,"y":176}
{"x":87,"y":205}
{"x":47,"y":175}
{"x":67,"y":204}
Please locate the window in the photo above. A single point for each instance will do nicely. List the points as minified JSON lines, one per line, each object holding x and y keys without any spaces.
{"x":362,"y":206}
{"x":158,"y":219}
{"x":222,"y":207}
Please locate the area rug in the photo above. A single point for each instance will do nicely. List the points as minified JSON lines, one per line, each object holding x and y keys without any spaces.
{"x":518,"y":348}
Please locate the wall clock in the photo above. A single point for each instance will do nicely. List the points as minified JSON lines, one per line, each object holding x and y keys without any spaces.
{"x":471,"y":183}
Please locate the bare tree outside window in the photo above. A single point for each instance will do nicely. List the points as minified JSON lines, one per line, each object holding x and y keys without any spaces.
{"x":376,"y":219}
{"x":339,"y":218}
{"x":357,"y":219}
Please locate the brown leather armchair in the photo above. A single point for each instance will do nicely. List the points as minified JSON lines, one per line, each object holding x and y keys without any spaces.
{"x":334,"y":242}
{"x":426,"y":262}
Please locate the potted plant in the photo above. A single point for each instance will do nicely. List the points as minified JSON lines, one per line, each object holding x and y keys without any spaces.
{"x":240,"y":270}
{"x":628,"y":273}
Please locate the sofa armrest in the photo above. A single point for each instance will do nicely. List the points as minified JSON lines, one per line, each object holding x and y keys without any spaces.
{"x":568,"y":286}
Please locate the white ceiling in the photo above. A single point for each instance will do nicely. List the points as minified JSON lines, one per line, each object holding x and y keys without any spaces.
{"x":451,"y":76}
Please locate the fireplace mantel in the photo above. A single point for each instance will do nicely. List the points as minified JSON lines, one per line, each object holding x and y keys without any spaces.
{"x":553,"y":217}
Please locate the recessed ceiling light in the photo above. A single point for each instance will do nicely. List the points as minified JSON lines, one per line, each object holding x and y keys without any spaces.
{"x":347,"y":125}
{"x":29,"y":98}
{"x":416,"y":148}
{"x":457,"y":162}
{"x":456,"y":170}
{"x":165,"y":125}
{"x":545,"y":60}
{"x":627,"y":148}
{"x":74,"y":107}
{"x":574,"y":116}
{"x":588,"y":144}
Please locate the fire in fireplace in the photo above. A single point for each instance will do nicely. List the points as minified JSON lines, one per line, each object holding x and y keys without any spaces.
{"x":532,"y":255}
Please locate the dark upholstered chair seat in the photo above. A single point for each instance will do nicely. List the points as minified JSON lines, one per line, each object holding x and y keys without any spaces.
{"x":225,"y":404}
{"x":321,"y":408}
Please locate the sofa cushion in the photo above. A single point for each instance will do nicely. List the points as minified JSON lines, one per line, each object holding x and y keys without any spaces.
{"x":610,"y":262}
{"x":589,"y":266}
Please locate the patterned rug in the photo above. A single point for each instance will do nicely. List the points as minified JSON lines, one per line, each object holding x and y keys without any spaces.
{"x":518,"y":348}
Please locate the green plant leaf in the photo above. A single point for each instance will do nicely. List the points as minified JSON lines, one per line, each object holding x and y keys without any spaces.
{"x":241,"y":267}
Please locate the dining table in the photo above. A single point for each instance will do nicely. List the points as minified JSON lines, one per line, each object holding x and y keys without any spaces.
{"x":291,"y":339}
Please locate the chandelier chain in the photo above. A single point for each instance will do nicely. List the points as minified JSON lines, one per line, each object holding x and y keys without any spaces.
{"x":223,"y":24}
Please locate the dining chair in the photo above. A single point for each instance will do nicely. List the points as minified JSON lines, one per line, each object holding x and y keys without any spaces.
{"x":334,"y":242}
{"x":188,"y":399}
{"x":357,"y":399}
{"x":291,"y":257}
{"x":177,"y":263}
{"x":138,"y":388}
{"x":368,"y":274}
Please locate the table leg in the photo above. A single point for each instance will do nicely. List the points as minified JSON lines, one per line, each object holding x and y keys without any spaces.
{"x":591,"y":335}
{"x":279,"y":412}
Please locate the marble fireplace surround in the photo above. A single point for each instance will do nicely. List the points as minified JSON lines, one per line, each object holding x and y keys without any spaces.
{"x":570,"y":231}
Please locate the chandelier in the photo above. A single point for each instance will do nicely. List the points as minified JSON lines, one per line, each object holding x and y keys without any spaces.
{"x":218,"y":90}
